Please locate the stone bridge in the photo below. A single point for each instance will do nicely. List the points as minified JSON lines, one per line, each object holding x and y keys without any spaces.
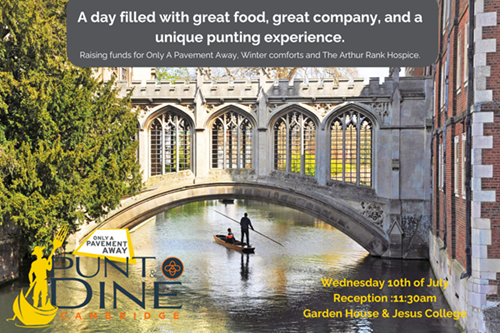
{"x":356,"y":156}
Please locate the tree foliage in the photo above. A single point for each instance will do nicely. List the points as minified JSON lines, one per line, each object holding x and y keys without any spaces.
{"x":67,"y":150}
{"x":236,"y":73}
{"x":285,"y":72}
{"x":174,"y":74}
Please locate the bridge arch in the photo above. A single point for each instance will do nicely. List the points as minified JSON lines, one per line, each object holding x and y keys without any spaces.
{"x":332,"y":212}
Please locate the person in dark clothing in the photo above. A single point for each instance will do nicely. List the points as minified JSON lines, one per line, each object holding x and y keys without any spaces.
{"x":230,"y":236}
{"x":245,"y":223}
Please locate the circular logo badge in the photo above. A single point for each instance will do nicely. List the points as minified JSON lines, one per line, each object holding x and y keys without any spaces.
{"x":172,"y":268}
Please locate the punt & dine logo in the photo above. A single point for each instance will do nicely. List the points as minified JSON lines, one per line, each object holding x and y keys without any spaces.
{"x":43,"y":309}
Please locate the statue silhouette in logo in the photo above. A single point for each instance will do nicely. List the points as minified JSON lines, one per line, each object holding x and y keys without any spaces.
{"x":39,"y":268}
{"x":35,"y":315}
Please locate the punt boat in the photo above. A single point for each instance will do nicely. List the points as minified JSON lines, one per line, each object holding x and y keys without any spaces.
{"x":237,"y":245}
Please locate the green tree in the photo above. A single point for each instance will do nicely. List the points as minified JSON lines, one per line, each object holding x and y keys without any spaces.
{"x":174,"y":74}
{"x":67,"y":149}
{"x":284,"y":72}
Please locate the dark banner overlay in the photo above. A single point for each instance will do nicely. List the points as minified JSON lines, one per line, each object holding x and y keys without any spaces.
{"x":222,"y":33}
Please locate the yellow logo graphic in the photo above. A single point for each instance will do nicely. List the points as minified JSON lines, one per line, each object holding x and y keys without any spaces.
{"x":113,"y":244}
{"x":42,"y":312}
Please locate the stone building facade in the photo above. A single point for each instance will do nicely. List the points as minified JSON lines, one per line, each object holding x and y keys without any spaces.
{"x":355,"y":155}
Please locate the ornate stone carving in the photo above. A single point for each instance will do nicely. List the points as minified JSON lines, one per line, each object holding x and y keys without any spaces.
{"x":210,"y":107}
{"x":273,"y":107}
{"x":252,"y":107}
{"x":323,"y":108}
{"x":381,"y":108}
{"x":374,"y":212}
{"x":143,"y":110}
{"x":190,"y":107}
{"x":410,"y":224}
{"x":395,"y":225}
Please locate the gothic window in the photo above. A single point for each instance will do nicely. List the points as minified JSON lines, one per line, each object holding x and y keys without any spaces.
{"x":295,"y":144}
{"x":170,"y":144}
{"x":156,"y":158}
{"x":351,"y":136}
{"x":232,"y":138}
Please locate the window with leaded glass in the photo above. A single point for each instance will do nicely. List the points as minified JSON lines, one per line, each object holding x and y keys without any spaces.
{"x":156,"y":155}
{"x":232,"y":141}
{"x":170,"y":144}
{"x":351,"y":135}
{"x":295,"y":143}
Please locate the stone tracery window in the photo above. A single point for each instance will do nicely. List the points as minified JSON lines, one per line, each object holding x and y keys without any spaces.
{"x":295,"y":143}
{"x":170,"y":144}
{"x":351,"y":136}
{"x":232,"y":138}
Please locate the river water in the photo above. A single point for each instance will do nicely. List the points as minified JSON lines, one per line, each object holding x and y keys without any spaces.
{"x":223,"y":290}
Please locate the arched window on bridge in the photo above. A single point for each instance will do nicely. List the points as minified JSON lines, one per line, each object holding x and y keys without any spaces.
{"x":232,"y":140}
{"x":295,"y":143}
{"x":170,"y":136}
{"x":351,"y":148}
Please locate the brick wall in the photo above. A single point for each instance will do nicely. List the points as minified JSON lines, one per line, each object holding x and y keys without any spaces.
{"x":450,"y":110}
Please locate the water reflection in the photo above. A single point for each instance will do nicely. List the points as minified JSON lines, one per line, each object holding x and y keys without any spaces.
{"x":225,"y":291}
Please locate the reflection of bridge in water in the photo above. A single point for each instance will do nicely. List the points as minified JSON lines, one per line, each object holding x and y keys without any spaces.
{"x":356,"y":156}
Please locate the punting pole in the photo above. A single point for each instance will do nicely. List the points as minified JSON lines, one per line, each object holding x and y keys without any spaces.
{"x":251,"y":229}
